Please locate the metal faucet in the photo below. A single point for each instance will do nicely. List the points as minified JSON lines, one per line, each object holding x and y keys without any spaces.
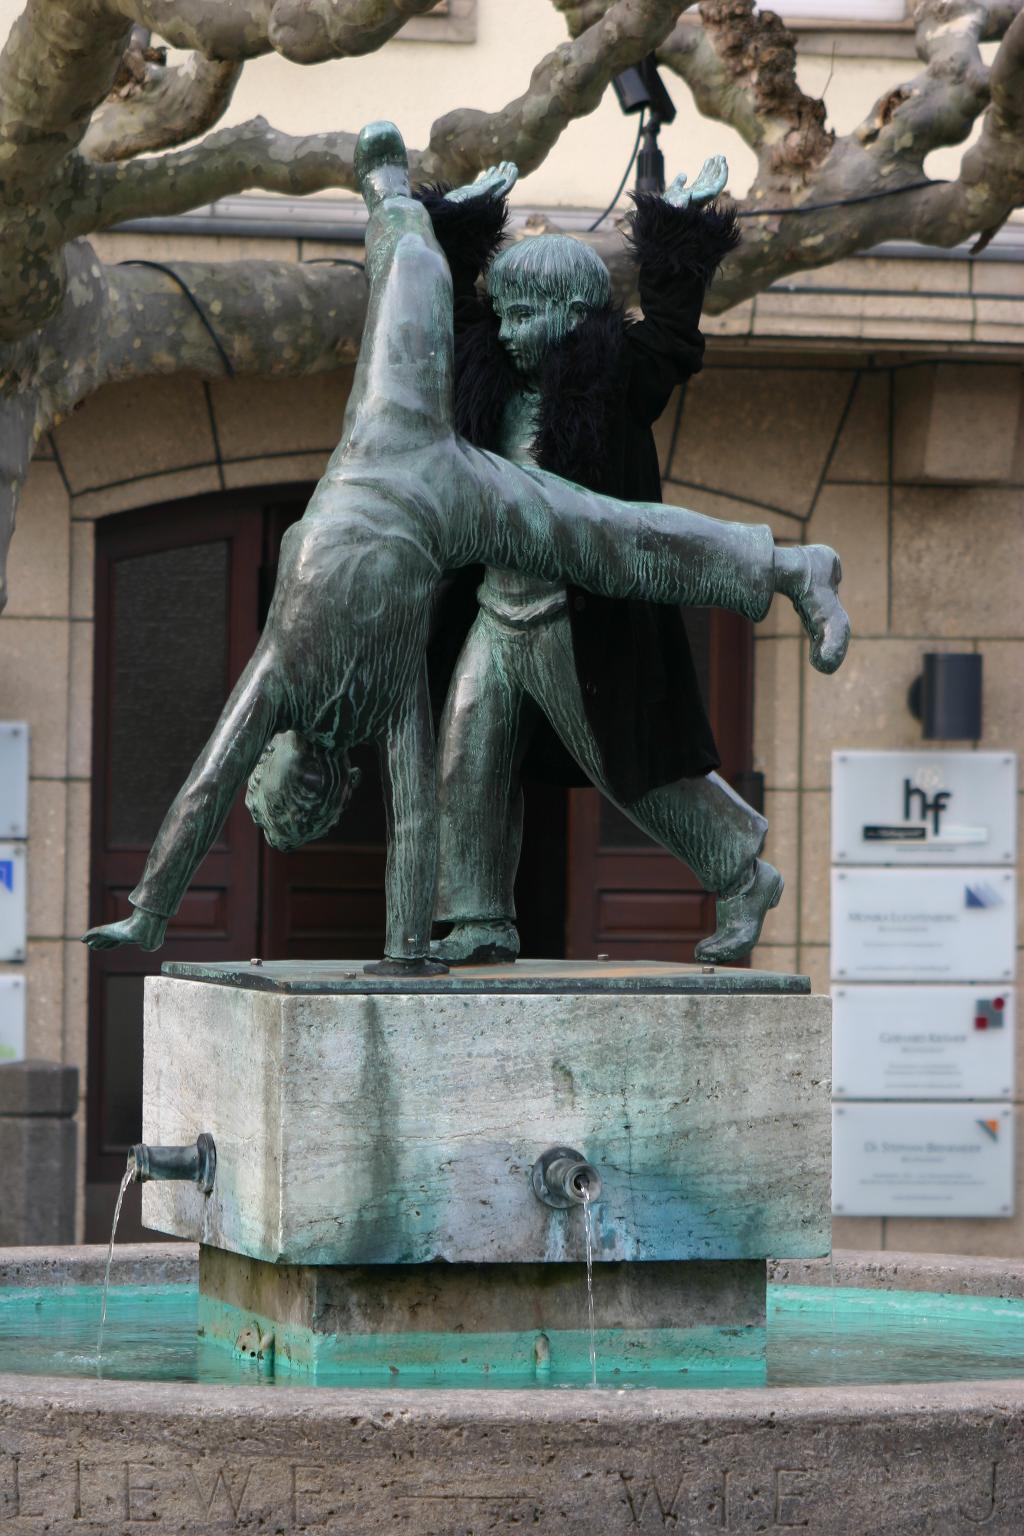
{"x":195,"y":1165}
{"x":563,"y":1178}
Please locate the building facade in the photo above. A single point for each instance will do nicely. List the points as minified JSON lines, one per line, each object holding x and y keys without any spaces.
{"x":876,"y":405}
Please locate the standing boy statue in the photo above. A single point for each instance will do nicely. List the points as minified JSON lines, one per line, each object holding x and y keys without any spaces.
{"x":548,"y":371}
{"x":403,"y":500}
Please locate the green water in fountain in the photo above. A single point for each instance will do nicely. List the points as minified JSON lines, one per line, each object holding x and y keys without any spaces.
{"x":815,"y":1337}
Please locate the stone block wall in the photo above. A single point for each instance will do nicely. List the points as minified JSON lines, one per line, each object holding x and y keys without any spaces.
{"x":914,"y":470}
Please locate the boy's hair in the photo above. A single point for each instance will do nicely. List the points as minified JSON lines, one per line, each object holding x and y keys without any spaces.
{"x":311,"y":796}
{"x":545,"y":267}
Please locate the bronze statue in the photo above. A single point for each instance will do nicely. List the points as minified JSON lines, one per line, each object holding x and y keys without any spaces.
{"x":549,"y":371}
{"x":403,"y":500}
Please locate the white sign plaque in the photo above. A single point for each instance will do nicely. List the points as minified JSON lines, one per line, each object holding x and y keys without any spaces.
{"x":922,"y":1042}
{"x":923,"y":924}
{"x":12,"y":1018}
{"x":12,"y":901}
{"x":924,"y":807}
{"x":922,"y":1159}
{"x":13,"y":778}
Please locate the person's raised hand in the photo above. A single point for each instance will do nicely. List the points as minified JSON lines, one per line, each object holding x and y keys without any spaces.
{"x":496,"y":182}
{"x":714,"y":174}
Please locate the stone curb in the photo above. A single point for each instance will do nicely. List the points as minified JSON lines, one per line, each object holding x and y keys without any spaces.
{"x":951,"y":1274}
{"x":178,"y":1263}
{"x":95,"y":1455}
{"x":83,"y":1264}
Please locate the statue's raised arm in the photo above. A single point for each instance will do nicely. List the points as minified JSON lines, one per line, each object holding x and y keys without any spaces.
{"x":404,"y":499}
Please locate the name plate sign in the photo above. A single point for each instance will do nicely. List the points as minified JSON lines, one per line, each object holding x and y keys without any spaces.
{"x":922,"y":1042}
{"x":12,"y":901}
{"x":12,"y":1018}
{"x":13,"y":778}
{"x":922,"y":1159}
{"x":923,"y":924}
{"x":924,"y":807}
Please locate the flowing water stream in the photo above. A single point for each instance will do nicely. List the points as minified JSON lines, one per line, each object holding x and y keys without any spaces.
{"x":127,"y":1178}
{"x":588,"y":1223}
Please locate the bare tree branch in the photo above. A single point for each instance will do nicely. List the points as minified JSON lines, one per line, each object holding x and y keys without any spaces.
{"x":305,"y":31}
{"x":134,"y":320}
{"x":168,"y":107}
{"x":716,"y":91}
{"x":758,"y":55}
{"x":78,"y":196}
{"x":939,"y":106}
{"x":252,"y":155}
{"x":991,"y":180}
{"x":567,"y":83}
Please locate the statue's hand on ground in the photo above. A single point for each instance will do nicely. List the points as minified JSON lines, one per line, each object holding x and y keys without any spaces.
{"x":496,"y":182}
{"x":145,"y":929}
{"x":714,"y":174}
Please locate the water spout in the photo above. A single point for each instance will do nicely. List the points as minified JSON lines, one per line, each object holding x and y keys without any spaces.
{"x":195,"y":1165}
{"x":563,"y":1178}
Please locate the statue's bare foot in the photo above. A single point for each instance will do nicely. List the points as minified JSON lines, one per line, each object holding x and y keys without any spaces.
{"x":145,"y":929}
{"x":809,"y":575}
{"x":478,"y":943}
{"x":418,"y":965}
{"x":381,"y":164}
{"x":741,"y":917}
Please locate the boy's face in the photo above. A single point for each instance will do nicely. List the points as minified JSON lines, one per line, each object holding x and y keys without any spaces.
{"x":532,"y":324}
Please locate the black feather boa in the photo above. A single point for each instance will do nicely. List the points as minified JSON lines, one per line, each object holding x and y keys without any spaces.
{"x":469,"y":232}
{"x":680,"y":240}
{"x":583,"y":379}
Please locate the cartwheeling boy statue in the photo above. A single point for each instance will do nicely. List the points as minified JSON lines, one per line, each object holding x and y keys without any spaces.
{"x":405,"y":499}
{"x":549,"y":371}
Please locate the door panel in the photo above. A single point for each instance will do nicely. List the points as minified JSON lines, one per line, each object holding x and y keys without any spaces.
{"x":177,"y":618}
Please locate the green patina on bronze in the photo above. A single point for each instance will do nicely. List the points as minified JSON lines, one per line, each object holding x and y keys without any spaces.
{"x":405,"y":499}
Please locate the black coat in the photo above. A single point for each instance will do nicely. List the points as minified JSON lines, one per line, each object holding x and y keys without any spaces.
{"x":602,"y":390}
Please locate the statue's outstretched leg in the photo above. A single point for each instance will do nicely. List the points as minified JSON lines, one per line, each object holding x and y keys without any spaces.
{"x":525,"y":519}
{"x":401,"y":396}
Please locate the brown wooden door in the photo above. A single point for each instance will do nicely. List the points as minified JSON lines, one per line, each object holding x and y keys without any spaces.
{"x":627,"y":897}
{"x":177,"y":618}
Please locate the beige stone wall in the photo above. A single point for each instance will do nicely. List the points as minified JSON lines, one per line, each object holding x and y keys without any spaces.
{"x":851,"y":449}
{"x":915,"y":472}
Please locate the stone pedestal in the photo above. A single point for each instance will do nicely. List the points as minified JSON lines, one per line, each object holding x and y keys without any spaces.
{"x":373,"y":1200}
{"x":460,"y":1322}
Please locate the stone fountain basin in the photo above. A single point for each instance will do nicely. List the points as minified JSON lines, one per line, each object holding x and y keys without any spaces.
{"x":112,"y":1456}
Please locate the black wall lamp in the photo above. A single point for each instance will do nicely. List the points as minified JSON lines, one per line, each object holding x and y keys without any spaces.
{"x":641,"y":89}
{"x":946,"y":698}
